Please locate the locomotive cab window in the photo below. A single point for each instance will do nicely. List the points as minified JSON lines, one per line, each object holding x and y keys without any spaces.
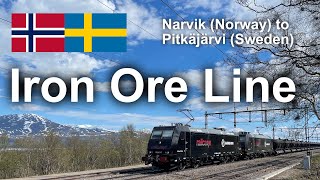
{"x":156,"y":135}
{"x":167,"y":134}
{"x":162,"y":134}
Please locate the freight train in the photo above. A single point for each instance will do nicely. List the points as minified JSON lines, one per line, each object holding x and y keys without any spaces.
{"x":181,"y":146}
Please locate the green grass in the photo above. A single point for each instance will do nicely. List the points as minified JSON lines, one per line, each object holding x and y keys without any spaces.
{"x":314,"y":172}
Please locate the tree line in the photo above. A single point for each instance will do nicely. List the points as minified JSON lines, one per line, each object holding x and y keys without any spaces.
{"x":54,"y":154}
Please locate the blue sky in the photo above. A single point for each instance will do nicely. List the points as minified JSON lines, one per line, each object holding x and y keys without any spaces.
{"x":145,"y":53}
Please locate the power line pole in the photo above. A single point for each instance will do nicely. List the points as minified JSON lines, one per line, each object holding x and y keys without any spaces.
{"x":273,"y":129}
{"x":206,"y":120}
{"x":234,"y":116}
{"x":261,"y":111}
{"x":307,"y":130}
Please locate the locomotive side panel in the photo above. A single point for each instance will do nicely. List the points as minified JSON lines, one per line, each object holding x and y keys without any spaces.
{"x":200,"y":144}
{"x":229,"y":144}
{"x":207,"y":144}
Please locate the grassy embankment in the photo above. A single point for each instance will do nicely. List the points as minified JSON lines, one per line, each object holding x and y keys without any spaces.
{"x":298,"y":172}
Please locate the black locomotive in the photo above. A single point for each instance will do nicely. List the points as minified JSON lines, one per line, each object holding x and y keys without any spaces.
{"x":181,"y":146}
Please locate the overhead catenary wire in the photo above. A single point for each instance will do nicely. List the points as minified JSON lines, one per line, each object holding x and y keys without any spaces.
{"x":4,"y":20}
{"x":251,"y":111}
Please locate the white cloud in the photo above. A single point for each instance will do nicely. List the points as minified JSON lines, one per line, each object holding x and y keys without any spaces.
{"x":58,"y":64}
{"x":234,"y":10}
{"x":223,"y":127}
{"x":198,"y":103}
{"x":5,"y":35}
{"x":125,"y":85}
{"x":206,"y":8}
{"x":202,"y":8}
{"x":123,"y":118}
{"x":102,"y":86}
{"x":229,"y":9}
{"x":139,"y":15}
{"x":236,"y":130}
{"x":222,"y":77}
{"x":30,"y":107}
{"x":193,"y":77}
{"x":5,"y":97}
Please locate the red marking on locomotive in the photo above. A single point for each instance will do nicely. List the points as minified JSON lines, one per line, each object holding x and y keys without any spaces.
{"x":203,"y":142}
{"x":258,"y":142}
{"x":163,"y":159}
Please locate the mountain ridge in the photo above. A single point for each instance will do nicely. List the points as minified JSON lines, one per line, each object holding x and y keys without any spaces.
{"x":32,"y":124}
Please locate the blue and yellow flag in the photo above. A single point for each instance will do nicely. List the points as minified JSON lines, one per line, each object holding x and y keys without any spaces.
{"x":95,"y":32}
{"x":45,"y":32}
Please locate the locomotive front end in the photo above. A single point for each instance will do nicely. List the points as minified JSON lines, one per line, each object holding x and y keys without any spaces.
{"x":164,"y":149}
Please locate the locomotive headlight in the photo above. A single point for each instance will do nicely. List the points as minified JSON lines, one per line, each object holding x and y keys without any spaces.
{"x":167,"y":152}
{"x":150,"y":152}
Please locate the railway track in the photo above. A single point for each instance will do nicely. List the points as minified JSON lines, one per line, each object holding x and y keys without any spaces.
{"x":248,"y":169}
{"x":88,"y":175}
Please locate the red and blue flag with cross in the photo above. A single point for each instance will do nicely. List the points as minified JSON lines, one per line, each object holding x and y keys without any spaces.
{"x":73,"y":32}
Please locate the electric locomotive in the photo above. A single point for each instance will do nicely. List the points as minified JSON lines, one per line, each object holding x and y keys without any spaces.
{"x":180,"y":146}
{"x":255,"y":145}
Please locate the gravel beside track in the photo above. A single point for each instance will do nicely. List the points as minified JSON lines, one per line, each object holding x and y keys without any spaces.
{"x":247,"y":169}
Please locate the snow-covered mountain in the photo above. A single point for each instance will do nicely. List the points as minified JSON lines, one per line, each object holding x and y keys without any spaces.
{"x":32,"y":124}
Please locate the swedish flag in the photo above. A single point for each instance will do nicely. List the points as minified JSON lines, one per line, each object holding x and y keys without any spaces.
{"x":95,"y":32}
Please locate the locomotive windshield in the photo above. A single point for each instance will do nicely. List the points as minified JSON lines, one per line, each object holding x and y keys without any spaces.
{"x":242,"y":138}
{"x":161,"y":134}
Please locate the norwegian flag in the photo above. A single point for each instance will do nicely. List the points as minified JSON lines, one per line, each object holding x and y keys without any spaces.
{"x":37,"y":32}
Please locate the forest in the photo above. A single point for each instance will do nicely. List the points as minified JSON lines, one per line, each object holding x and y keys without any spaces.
{"x":50,"y":154}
